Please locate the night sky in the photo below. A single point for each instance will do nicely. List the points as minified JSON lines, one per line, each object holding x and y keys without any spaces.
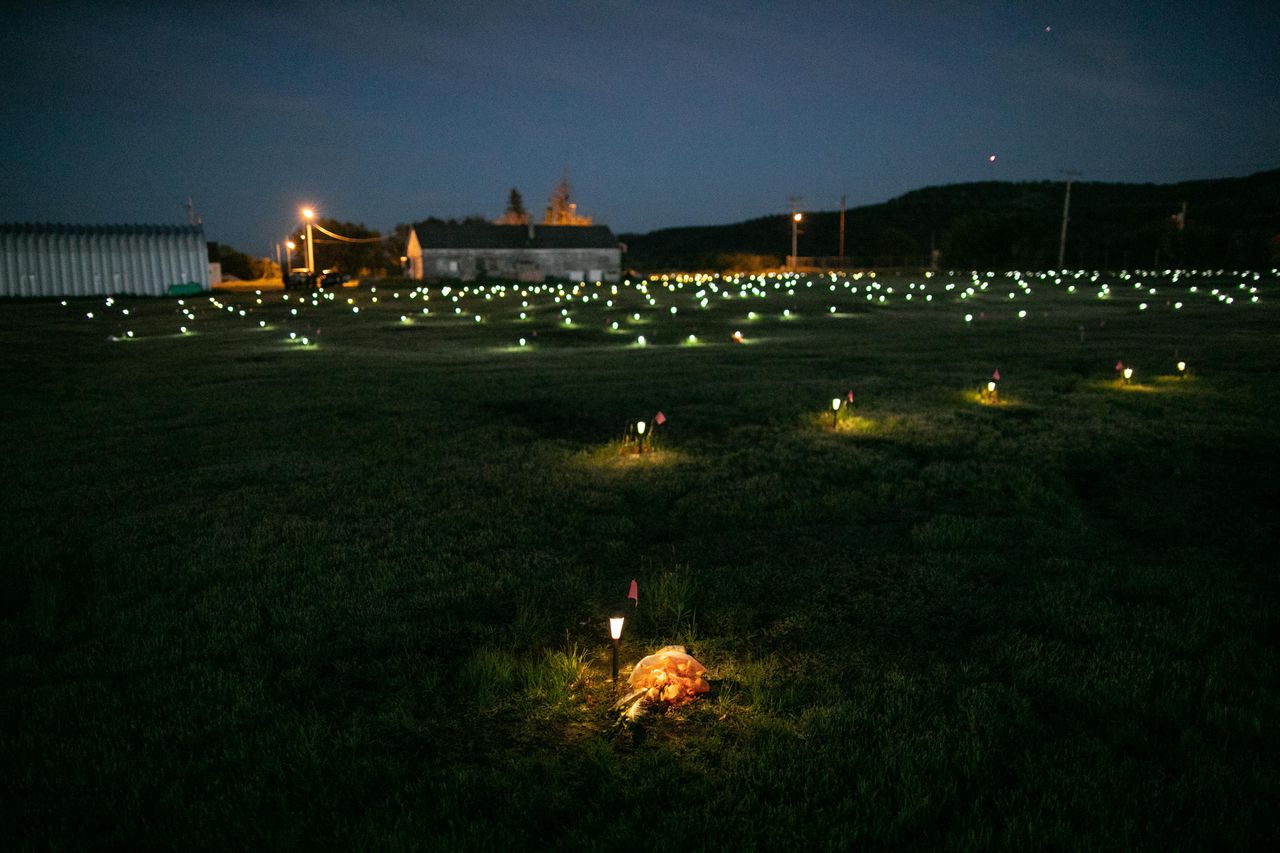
{"x":665,"y":114}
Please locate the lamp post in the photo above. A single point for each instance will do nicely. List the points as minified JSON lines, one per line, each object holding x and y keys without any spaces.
{"x":835,"y":412}
{"x":309,"y":214}
{"x":615,"y":634}
{"x":795,"y":222}
{"x":290,"y":245}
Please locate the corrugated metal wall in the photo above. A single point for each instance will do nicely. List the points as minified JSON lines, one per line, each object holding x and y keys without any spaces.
{"x":74,"y":260}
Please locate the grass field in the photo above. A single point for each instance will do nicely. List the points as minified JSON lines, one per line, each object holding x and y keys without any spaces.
{"x":353,"y":593}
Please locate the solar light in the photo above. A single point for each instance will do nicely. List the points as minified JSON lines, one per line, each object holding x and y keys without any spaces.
{"x":523,"y":342}
{"x":835,"y":412}
{"x":1128,"y":374}
{"x":991,"y":387}
{"x":615,"y":634}
{"x":1182,"y":369}
{"x":640,"y":428}
{"x":737,"y":337}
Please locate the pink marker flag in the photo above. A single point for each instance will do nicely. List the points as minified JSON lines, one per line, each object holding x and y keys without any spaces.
{"x":996,"y":375}
{"x":658,"y":419}
{"x":850,"y":396}
{"x":1119,"y":365}
{"x":634,"y":593}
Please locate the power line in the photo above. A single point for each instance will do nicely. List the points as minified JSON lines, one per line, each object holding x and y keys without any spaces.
{"x":324,"y":230}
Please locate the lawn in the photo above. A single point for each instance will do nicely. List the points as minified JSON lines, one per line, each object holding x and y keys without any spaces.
{"x":353,"y":593}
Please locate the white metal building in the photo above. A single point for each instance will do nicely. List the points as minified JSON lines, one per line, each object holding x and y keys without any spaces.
{"x":88,"y":260}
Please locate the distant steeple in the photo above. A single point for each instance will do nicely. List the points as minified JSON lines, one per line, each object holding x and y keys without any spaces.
{"x":560,"y":210}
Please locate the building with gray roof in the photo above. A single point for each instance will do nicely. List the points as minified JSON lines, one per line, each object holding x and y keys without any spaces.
{"x":469,"y":251}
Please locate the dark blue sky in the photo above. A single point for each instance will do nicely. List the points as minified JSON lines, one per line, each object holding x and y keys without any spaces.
{"x":664,"y":113}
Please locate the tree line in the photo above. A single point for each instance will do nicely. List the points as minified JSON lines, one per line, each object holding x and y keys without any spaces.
{"x":1233,"y":222}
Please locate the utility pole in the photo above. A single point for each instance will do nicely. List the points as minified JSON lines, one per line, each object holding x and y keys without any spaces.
{"x":796,"y":216}
{"x":1066,"y":215}
{"x":842,"y":230}
{"x":309,"y":214}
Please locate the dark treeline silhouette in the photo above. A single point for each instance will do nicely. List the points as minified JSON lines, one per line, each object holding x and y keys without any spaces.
{"x":1230,"y":222}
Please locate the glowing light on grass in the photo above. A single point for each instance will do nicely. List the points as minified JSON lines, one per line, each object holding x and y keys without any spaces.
{"x":640,"y":341}
{"x":737,"y":337}
{"x":615,"y":636}
{"x":523,"y":342}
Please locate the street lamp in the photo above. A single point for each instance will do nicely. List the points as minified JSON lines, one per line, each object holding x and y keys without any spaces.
{"x":290,"y":245}
{"x":309,"y":214}
{"x":615,"y":634}
{"x":795,"y":222}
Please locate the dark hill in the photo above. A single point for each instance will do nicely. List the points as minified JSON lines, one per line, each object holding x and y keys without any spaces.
{"x":1231,"y":222}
